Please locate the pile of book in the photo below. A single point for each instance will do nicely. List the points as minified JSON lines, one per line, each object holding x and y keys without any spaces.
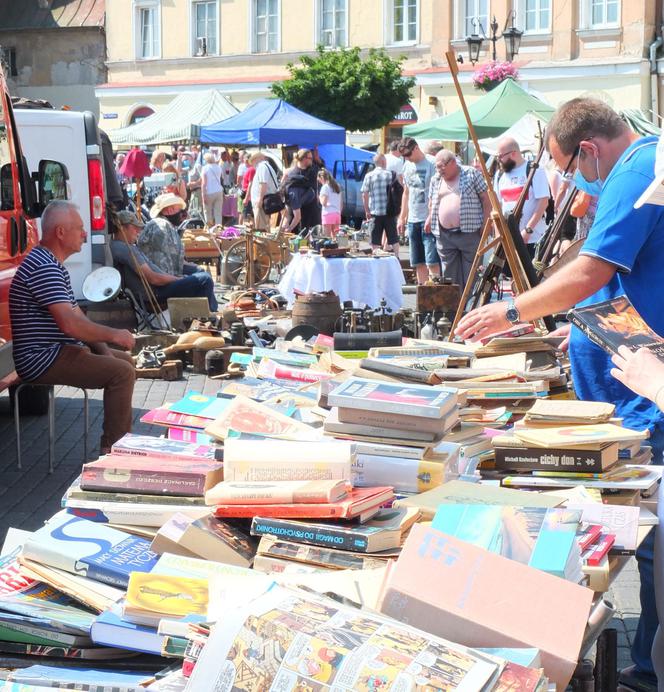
{"x":282,"y":533}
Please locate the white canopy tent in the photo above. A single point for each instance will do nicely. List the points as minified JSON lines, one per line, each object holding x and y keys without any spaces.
{"x":180,"y":121}
{"x":526,"y":131}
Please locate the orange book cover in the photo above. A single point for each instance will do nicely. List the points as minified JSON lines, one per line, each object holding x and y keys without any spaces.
{"x":456,"y":590}
{"x":358,"y":501}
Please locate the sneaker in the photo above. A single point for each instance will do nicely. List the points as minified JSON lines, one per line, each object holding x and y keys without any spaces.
{"x":637,"y":680}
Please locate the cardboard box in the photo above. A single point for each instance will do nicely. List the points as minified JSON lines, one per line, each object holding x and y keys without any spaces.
{"x":466,"y":594}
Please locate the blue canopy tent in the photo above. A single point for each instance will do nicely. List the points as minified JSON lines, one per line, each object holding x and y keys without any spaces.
{"x":272,"y":121}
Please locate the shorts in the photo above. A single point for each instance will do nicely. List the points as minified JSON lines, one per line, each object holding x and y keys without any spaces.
{"x":422,"y":245}
{"x":332,"y":218}
{"x":387,"y":224}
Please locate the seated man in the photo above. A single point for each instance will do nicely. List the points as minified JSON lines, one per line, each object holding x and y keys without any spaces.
{"x":128,"y":258}
{"x":54,"y":342}
{"x":160,"y":241}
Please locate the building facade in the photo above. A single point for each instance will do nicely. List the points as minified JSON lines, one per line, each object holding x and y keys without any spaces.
{"x":158,"y":49}
{"x":54,"y":50}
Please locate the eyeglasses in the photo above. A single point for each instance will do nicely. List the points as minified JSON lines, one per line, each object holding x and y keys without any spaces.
{"x":575,"y":153}
{"x":507,"y":153}
{"x":442,"y":164}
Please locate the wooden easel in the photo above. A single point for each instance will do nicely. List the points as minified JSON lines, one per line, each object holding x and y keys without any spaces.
{"x":495,"y":224}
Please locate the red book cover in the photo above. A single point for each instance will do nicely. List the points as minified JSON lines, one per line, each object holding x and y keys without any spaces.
{"x":589,"y":536}
{"x":355,"y":503}
{"x":593,"y":556}
{"x":151,"y":475}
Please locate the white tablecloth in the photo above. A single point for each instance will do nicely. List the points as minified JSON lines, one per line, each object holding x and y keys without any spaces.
{"x":361,"y":279}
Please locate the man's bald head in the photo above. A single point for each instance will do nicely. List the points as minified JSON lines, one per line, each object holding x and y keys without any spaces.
{"x":508,"y":153}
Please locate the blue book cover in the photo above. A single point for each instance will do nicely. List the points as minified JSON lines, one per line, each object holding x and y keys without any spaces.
{"x":555,"y":541}
{"x":90,"y":549}
{"x":196,"y":404}
{"x":111,"y":629}
{"x":284,"y":357}
{"x":480,"y":525}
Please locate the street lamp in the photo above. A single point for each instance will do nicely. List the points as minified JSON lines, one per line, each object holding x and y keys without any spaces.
{"x":512,"y":38}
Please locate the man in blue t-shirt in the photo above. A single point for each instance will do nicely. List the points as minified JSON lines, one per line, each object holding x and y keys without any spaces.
{"x":53,"y":341}
{"x":623,"y":254}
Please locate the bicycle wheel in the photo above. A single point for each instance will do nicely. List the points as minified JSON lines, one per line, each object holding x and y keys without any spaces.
{"x":234,"y":268}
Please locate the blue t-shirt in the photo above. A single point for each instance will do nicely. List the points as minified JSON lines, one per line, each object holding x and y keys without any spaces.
{"x":633,"y":240}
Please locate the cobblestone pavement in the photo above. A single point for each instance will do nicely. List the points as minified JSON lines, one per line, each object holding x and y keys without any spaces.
{"x":30,"y":496}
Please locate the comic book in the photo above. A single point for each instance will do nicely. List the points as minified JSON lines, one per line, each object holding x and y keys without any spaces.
{"x":292,"y":640}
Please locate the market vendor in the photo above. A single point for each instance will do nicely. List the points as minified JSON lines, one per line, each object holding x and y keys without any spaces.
{"x":137,"y":268}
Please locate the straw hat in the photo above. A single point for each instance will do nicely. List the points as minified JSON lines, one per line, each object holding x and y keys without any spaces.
{"x":168,"y":199}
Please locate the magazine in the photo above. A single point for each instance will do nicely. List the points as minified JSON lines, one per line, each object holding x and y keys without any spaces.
{"x":292,"y":640}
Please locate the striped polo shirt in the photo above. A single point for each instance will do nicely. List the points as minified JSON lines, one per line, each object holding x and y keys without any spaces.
{"x":40,"y":281}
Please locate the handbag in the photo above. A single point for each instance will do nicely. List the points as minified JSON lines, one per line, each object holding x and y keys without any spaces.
{"x":273,"y":202}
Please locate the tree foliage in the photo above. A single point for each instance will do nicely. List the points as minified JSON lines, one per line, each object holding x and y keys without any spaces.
{"x":342,"y":87}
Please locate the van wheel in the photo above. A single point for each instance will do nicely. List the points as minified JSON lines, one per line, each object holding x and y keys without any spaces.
{"x":33,"y":401}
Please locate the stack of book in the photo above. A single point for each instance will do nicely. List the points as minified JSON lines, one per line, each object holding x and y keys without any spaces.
{"x":140,"y":484}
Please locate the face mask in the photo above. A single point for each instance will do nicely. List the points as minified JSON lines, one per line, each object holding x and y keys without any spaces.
{"x":593,"y":187}
{"x":508,"y":165}
{"x":176,"y":219}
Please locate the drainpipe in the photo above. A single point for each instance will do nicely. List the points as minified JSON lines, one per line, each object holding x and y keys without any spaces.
{"x":654,"y":87}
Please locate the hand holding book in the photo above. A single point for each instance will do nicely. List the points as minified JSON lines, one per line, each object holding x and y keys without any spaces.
{"x":642,"y":371}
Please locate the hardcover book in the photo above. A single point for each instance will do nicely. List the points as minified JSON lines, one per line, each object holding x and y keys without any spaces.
{"x":467,"y":609}
{"x":360,"y":503}
{"x":137,"y":515}
{"x":405,"y":475}
{"x":620,"y":520}
{"x":112,"y":630}
{"x":614,"y":323}
{"x":333,"y":426}
{"x":570,"y":411}
{"x":437,"y":427}
{"x":412,"y":400}
{"x":152,"y":475}
{"x":89,"y":549}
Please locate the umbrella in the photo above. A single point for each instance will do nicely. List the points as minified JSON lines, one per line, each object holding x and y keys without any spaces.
{"x":137,"y":166}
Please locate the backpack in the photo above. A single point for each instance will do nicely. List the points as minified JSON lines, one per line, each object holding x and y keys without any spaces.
{"x":394,"y":196}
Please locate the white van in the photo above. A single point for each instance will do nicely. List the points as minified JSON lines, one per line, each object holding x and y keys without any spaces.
{"x":73,"y":138}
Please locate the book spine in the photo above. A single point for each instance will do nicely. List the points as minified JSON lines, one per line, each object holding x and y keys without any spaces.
{"x":321,"y":536}
{"x":596,"y":338}
{"x":356,"y":341}
{"x":134,"y":498}
{"x":321,"y":511}
{"x":587,"y":461}
{"x":202,"y":453}
{"x":381,"y":406}
{"x":402,"y":372}
{"x":596,"y":552}
{"x":269,"y":470}
{"x":37,"y":635}
{"x":158,"y":482}
{"x":386,"y":419}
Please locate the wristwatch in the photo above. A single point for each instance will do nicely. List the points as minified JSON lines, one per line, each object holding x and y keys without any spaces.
{"x":512,"y":313}
{"x":528,"y":230}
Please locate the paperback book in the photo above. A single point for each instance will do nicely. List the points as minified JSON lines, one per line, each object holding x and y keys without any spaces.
{"x":161,"y":448}
{"x":614,"y":323}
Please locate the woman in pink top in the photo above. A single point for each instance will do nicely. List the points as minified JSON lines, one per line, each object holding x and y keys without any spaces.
{"x":330,"y":199}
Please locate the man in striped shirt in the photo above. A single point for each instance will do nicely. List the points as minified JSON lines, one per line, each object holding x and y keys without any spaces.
{"x":53,"y":341}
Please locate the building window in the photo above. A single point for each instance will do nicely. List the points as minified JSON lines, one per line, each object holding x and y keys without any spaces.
{"x":266,"y":26}
{"x":602,"y":13}
{"x":332,"y":22}
{"x":148,"y":30}
{"x":8,"y":59}
{"x":204,"y":25}
{"x":469,"y":12}
{"x":403,"y":21}
{"x":536,"y":16}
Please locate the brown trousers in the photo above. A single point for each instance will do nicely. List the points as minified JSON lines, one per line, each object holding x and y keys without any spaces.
{"x":77,"y":366}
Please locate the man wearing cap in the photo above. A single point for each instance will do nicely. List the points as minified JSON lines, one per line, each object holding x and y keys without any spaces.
{"x":133,"y":263}
{"x":54,"y":342}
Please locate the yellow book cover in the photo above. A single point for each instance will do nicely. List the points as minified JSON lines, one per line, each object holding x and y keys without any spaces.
{"x":165,"y":595}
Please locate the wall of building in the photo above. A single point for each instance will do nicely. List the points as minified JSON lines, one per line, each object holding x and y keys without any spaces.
{"x":62,"y":66}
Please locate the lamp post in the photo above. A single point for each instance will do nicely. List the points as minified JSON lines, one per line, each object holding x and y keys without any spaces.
{"x":512,"y":37}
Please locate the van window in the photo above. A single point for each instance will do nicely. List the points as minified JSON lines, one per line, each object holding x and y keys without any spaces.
{"x":6,"y":183}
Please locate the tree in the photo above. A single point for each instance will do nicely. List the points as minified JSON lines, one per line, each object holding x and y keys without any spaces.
{"x":340,"y":86}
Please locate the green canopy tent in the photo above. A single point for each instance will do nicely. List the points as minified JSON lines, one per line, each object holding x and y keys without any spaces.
{"x":491,"y":115}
